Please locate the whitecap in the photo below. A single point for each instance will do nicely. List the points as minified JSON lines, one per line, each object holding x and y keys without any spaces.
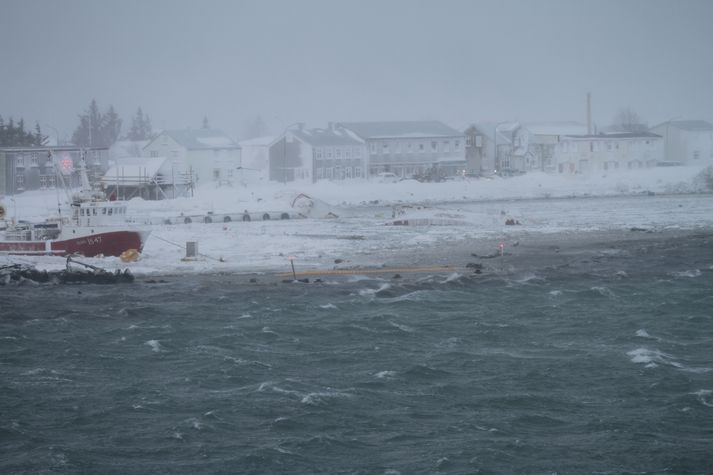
{"x":705,"y":396}
{"x":643,"y":333}
{"x":603,"y":291}
{"x":329,"y":306}
{"x":245,"y":315}
{"x":555,"y":293}
{"x":385,"y":374}
{"x":402,"y":327}
{"x":452,"y":277}
{"x":647,"y":356}
{"x":687,"y":273}
{"x":155,"y":345}
{"x":321,"y":396}
{"x":366,"y":292}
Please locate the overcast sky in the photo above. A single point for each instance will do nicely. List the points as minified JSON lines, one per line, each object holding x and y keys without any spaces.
{"x":318,"y":61}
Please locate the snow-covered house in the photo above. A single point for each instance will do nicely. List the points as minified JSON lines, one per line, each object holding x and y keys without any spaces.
{"x":408,"y":148}
{"x":687,"y":141}
{"x":209,"y":154}
{"x":317,"y":154}
{"x":126,"y":149}
{"x":607,"y":152}
{"x":255,"y":159}
{"x":533,"y":145}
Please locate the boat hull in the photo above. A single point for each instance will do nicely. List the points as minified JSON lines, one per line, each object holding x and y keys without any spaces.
{"x":110,"y":243}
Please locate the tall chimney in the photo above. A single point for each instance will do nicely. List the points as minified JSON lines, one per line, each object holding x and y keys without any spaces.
{"x":589,"y":113}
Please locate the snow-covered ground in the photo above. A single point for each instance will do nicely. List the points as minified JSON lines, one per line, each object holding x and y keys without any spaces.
{"x":660,"y":198}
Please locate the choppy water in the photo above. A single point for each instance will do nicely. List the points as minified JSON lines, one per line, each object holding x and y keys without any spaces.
{"x":601,"y":366}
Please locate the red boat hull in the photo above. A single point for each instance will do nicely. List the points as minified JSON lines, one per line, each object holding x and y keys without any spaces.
{"x":112,"y":243}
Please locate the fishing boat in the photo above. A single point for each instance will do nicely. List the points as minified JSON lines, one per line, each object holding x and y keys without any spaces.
{"x":96,"y":227}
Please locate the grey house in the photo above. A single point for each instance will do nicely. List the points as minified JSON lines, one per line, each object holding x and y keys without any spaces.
{"x":410,"y":147}
{"x":30,"y":168}
{"x":317,"y":154}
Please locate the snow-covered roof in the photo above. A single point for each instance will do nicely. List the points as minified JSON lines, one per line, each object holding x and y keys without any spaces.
{"x":198,"y":139}
{"x":692,"y":125}
{"x":326,"y":137}
{"x":401,"y":129}
{"x":257,"y":142}
{"x":620,"y":135}
{"x":134,"y":171}
{"x":556,"y":128}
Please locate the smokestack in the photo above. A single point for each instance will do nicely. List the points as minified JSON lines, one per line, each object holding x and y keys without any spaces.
{"x":589,"y":113}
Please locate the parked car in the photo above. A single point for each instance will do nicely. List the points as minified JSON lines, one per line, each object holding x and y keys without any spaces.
{"x":387,"y":177}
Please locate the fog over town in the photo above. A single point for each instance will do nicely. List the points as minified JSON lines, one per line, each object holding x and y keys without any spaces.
{"x":311,"y":61}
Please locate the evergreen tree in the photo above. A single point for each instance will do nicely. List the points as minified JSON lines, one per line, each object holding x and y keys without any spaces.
{"x":205,"y":122}
{"x":111,"y":126}
{"x":96,"y":129}
{"x":140,"y":127}
{"x":39,"y":139}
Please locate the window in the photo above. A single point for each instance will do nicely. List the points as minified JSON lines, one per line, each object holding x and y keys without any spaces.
{"x":409,"y":147}
{"x":338,"y":152}
{"x":421,"y":147}
{"x":385,"y":147}
{"x":357,"y":172}
{"x":457,"y":144}
{"x":696,"y":154}
{"x":35,"y":159}
{"x":329,"y":153}
{"x":154,"y":153}
{"x":446,"y":146}
{"x":347,"y":152}
{"x":320,"y":173}
{"x":372,"y":147}
{"x":397,"y":147}
{"x":468,"y":141}
{"x":318,"y":152}
{"x":434,"y":146}
{"x":174,"y":153}
{"x":111,"y":211}
{"x":357,"y":151}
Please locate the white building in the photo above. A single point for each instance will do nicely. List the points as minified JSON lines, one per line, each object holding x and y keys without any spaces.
{"x":255,"y":160}
{"x":687,"y":142}
{"x":408,"y":148}
{"x":529,"y":147}
{"x":607,"y":152}
{"x":209,"y":154}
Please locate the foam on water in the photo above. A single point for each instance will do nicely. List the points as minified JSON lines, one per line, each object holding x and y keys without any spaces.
{"x":687,"y":274}
{"x":372,"y":292}
{"x":155,"y":345}
{"x":329,"y":306}
{"x":385,"y":374}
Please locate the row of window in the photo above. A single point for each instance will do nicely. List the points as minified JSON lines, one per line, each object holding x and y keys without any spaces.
{"x":337,"y":152}
{"x":423,"y":146}
{"x":338,"y":173}
{"x":596,"y":146}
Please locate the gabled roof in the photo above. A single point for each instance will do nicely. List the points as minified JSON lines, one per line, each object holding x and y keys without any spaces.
{"x":326,"y":137}
{"x":556,"y":128}
{"x":257,"y":141}
{"x":692,"y":125}
{"x":620,"y":135}
{"x":401,"y":129}
{"x":201,"y":139}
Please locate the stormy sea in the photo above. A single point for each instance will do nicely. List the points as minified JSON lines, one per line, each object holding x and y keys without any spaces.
{"x":601,"y":365}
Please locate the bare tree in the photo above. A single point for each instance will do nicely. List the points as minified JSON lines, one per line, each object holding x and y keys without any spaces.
{"x":627,"y":120}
